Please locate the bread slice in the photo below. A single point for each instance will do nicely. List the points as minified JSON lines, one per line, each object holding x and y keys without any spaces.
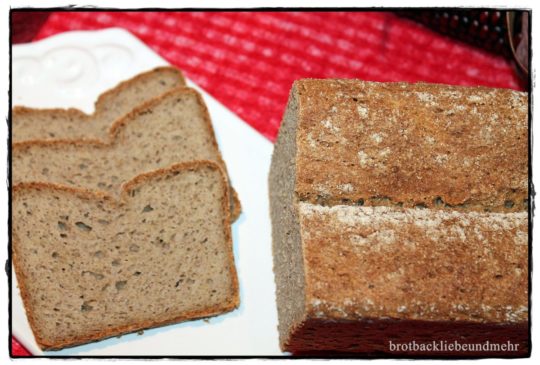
{"x":399,"y":213}
{"x":50,"y":124}
{"x":91,"y":266}
{"x":172,"y":128}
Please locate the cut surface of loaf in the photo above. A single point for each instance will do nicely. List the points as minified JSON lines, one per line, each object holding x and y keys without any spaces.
{"x":172,"y":128}
{"x":52,"y":124}
{"x":90,"y":266}
{"x":399,"y":213}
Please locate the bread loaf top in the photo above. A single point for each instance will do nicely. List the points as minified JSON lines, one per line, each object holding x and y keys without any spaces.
{"x":415,"y":264}
{"x":402,"y":144}
{"x":412,"y":200}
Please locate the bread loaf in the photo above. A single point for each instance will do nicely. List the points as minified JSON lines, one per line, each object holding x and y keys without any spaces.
{"x":400,"y":213}
{"x":172,"y":128}
{"x":51,"y":124}
{"x":91,"y":266}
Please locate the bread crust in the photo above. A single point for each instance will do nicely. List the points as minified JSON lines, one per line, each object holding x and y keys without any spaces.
{"x":414,"y":144}
{"x":88,"y":194}
{"x":77,"y":113}
{"x":414,"y":264}
{"x":116,"y":130}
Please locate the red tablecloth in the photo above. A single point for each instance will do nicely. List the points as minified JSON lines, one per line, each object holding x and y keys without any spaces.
{"x":248,"y":61}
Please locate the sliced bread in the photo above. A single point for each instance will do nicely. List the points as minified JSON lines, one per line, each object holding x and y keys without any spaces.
{"x":91,"y":266}
{"x":172,"y":128}
{"x":50,"y":124}
{"x":399,"y":214}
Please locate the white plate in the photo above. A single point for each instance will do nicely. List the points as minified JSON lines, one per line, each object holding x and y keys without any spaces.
{"x":71,"y":70}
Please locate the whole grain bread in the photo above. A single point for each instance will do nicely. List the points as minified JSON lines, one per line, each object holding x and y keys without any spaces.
{"x":174,"y":127}
{"x":51,"y":124}
{"x":399,"y":213}
{"x":91,"y":266}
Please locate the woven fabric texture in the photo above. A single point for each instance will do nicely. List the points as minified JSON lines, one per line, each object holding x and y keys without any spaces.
{"x":248,"y":61}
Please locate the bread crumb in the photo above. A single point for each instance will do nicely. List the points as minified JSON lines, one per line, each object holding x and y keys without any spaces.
{"x":377,"y":137}
{"x":517,"y":102}
{"x":474,"y":98}
{"x":328,"y":125}
{"x":522,"y":238}
{"x":348,"y":188}
{"x":394,"y":274}
{"x":363,"y":112}
{"x":385,"y":152}
{"x":321,"y":189}
{"x":459,"y":232}
{"x":425,"y":97}
{"x":364,"y":158}
{"x":358,"y":240}
{"x":312,"y":143}
{"x":441,"y":159}
{"x":375,"y":241}
{"x":514,"y":315}
{"x":368,"y":301}
{"x":487,"y":133}
{"x":460,"y":307}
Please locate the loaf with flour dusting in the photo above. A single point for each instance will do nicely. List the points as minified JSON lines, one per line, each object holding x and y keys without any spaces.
{"x":400,"y":213}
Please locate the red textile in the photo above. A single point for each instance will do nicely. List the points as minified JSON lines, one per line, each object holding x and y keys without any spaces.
{"x":17,"y":349}
{"x":248,"y":61}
